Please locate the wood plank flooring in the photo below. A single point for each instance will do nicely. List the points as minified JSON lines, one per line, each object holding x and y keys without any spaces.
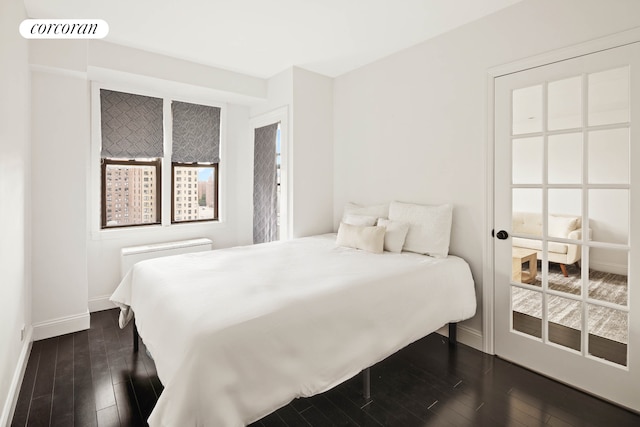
{"x":92,"y":378}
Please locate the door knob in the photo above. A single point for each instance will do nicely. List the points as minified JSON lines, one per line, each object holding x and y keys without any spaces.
{"x":502,"y":235}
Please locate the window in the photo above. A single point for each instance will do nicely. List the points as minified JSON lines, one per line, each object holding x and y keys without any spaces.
{"x":195,"y":158}
{"x":206,"y":194}
{"x":133,"y":154}
{"x":115,"y":202}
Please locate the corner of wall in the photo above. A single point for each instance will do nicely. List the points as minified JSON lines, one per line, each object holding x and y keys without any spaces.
{"x":6,"y":416}
{"x":465,"y":335}
{"x":15,"y":150}
{"x":61,"y":326}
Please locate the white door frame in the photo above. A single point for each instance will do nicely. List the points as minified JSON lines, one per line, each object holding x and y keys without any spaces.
{"x":488,"y":277}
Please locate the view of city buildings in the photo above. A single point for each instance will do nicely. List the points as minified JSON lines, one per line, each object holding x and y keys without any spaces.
{"x":193,"y":193}
{"x":130,"y":196}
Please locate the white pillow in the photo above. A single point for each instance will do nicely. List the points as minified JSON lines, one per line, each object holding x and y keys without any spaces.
{"x":561,"y":226}
{"x":395,"y":235}
{"x":370,"y":239}
{"x":378,"y":211}
{"x":429,"y":227}
{"x":354,"y":219}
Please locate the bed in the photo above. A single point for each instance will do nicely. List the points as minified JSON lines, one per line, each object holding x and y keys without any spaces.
{"x":238,"y":333}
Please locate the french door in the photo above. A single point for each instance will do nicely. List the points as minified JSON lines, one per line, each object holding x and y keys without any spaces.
{"x":567,"y":218}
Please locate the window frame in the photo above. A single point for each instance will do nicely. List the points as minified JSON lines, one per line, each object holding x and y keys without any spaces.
{"x":216,"y":168}
{"x":157,"y":163}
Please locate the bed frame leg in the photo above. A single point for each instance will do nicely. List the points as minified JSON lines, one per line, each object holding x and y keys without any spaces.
{"x":453,"y":332}
{"x":366,"y":384}
{"x":136,"y":337}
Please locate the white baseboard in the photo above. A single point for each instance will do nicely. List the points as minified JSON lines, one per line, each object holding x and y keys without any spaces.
{"x":9,"y":407}
{"x":466,"y":335}
{"x":100,"y":303}
{"x":61,"y":326}
{"x":608,"y":267}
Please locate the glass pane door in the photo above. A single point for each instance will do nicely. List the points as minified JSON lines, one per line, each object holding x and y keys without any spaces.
{"x":560,"y":157}
{"x":565,"y":145}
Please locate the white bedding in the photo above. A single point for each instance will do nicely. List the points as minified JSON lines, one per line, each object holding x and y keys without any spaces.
{"x":237,"y":333}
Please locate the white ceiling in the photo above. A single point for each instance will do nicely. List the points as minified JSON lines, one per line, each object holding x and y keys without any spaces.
{"x":264,"y":37}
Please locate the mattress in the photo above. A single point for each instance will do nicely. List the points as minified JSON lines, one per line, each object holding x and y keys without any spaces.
{"x":237,"y":333}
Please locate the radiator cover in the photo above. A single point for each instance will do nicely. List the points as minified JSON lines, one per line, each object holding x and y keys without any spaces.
{"x":133,"y":254}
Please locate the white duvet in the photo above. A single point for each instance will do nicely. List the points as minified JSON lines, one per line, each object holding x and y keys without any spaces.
{"x":237,"y":333}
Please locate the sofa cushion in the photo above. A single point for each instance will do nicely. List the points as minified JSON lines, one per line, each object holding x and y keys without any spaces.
{"x":527,"y":223}
{"x":536,"y":245}
{"x":561,"y":226}
{"x":531,"y":223}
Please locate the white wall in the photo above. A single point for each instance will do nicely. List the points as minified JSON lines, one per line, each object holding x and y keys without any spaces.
{"x":60,"y":119}
{"x":413,"y":126}
{"x":279,"y":93}
{"x":231,"y":86}
{"x":312,"y":153}
{"x":15,"y":149}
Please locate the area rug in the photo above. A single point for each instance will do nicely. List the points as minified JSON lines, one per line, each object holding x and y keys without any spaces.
{"x":602,"y":321}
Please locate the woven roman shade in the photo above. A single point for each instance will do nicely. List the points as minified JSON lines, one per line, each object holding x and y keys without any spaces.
{"x":265,"y":185}
{"x":196,"y":133}
{"x":131,"y":125}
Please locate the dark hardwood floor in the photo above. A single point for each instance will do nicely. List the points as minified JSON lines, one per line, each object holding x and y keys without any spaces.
{"x":93,"y":378}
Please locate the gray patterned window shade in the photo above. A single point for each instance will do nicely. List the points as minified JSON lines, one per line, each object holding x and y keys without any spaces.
{"x":131,"y":125}
{"x":196,"y":133}
{"x":265,"y":185}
